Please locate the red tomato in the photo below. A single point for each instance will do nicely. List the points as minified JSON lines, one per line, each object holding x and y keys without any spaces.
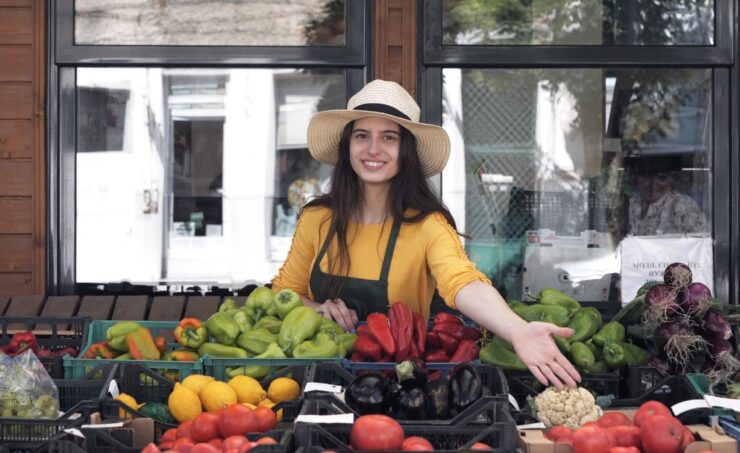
{"x":649,"y":409}
{"x":169,"y":436}
{"x":164,"y":446}
{"x":376,"y":432}
{"x":205,"y":448}
{"x":266,"y":419}
{"x":216,"y":442}
{"x":592,"y":439}
{"x":661,"y":434}
{"x":183,"y":445}
{"x":233,"y":442}
{"x":266,"y":440}
{"x":613,"y":419}
{"x":623,"y":450}
{"x":559,"y":434}
{"x":183,"y":430}
{"x":416,"y":443}
{"x":237,"y":419}
{"x":204,"y":427}
{"x":626,"y":436}
{"x":589,"y":424}
{"x":687,"y":438}
{"x":480,"y":446}
{"x":151,"y":448}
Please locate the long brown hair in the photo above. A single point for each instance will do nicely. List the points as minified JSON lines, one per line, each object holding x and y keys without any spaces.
{"x":409,"y":190}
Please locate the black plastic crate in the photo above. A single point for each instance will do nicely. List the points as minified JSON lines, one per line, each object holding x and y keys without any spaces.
{"x":110,"y":411}
{"x":52,"y":333}
{"x":94,"y":385}
{"x":21,"y":435}
{"x":501,"y":435}
{"x":523,"y":384}
{"x":669,"y":391}
{"x":640,"y":379}
{"x":63,"y":443}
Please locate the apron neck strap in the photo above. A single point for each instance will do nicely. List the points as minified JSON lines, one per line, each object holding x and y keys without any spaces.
{"x":389,"y":250}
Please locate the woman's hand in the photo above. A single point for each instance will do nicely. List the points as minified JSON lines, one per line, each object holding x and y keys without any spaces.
{"x":336,"y":309}
{"x":535,"y":346}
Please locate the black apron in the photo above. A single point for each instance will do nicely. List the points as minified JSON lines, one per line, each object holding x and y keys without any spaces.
{"x":361,"y":295}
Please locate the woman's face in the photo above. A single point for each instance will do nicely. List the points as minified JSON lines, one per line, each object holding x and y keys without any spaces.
{"x":652,"y":187}
{"x":373,"y":149}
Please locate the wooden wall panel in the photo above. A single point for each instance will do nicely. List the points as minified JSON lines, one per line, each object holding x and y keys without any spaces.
{"x":395,"y":42}
{"x":26,"y":3}
{"x":15,"y":139}
{"x":16,"y":25}
{"x":16,"y":284}
{"x":17,"y":250}
{"x":15,"y":215}
{"x":16,"y":101}
{"x":15,"y":178}
{"x":16,"y":63}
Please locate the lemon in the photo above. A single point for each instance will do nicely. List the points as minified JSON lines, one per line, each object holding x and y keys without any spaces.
{"x":248,"y":389}
{"x":129,"y":401}
{"x":251,"y":406}
{"x":268,"y":404}
{"x":283,"y":389}
{"x":217,"y":395}
{"x":196,"y":382}
{"x":184,"y":403}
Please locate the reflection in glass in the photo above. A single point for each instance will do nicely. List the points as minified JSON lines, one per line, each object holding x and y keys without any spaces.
{"x":569,"y":22}
{"x":575,"y":159}
{"x":210,"y":23}
{"x":208,"y":159}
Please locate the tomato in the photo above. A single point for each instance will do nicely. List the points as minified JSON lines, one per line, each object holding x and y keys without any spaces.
{"x":169,"y":436}
{"x":183,"y":430}
{"x":164,"y":446}
{"x":205,"y":448}
{"x":216,"y":442}
{"x":480,"y":446}
{"x":661,"y":434}
{"x":266,"y":440}
{"x":589,"y":424}
{"x":376,"y":432}
{"x":266,"y":419}
{"x":613,"y":419}
{"x":183,"y":445}
{"x":416,"y":443}
{"x":687,"y":438}
{"x":151,"y":448}
{"x":237,"y":419}
{"x":626,"y":436}
{"x":204,"y":427}
{"x":233,"y":442}
{"x":649,"y":409}
{"x":592,"y":439}
{"x":559,"y":434}
{"x":623,"y":450}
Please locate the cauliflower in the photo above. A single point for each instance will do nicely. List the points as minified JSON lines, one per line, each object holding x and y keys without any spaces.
{"x":569,"y":407}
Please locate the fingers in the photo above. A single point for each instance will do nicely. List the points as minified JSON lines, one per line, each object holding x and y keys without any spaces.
{"x":565,"y":332}
{"x":569,"y":369}
{"x":538,"y":374}
{"x":338,"y":311}
{"x":563,"y":375}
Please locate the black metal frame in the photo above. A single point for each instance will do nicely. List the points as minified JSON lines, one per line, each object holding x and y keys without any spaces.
{"x":721,"y":58}
{"x":64,"y":56}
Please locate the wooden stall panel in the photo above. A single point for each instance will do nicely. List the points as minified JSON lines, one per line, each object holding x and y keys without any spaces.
{"x":15,"y":177}
{"x":15,"y":100}
{"x":130,"y":308}
{"x":16,"y":284}
{"x":17,"y":64}
{"x":4,"y":302}
{"x":16,"y":24}
{"x":167,"y":308}
{"x":15,"y":139}
{"x":15,"y":253}
{"x":202,"y":307}
{"x":26,"y":306}
{"x":56,"y":306}
{"x":15,"y":215}
{"x":96,"y":307}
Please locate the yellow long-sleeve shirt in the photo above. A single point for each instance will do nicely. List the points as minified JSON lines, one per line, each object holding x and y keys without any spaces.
{"x":428,"y":255}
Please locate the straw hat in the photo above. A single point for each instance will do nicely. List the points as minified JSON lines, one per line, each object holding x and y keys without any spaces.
{"x":383,"y":99}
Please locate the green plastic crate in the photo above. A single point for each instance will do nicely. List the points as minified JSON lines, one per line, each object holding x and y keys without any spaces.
{"x":217,"y":367}
{"x":74,"y":368}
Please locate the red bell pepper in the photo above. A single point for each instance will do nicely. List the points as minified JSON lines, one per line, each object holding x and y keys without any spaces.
{"x":446,"y":318}
{"x":367,"y":348}
{"x":402,"y":329}
{"x":420,"y":332}
{"x":432,"y":341}
{"x":356,"y":357}
{"x":64,"y":351}
{"x":380,"y":329}
{"x":43,"y":353}
{"x":22,"y":341}
{"x":466,"y":351}
{"x":455,"y":330}
{"x":448,"y":342}
{"x":100,"y":351}
{"x":161,"y":343}
{"x":9,"y":349}
{"x":436,"y":355}
{"x":414,"y":351}
{"x":471,"y":333}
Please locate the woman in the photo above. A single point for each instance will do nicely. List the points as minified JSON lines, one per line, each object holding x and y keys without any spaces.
{"x":381,"y":235}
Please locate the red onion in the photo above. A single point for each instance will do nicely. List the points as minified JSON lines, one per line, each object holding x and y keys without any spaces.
{"x":678,"y":341}
{"x":695,"y":300}
{"x":661,"y":304}
{"x":677,"y":275}
{"x":714,"y":322}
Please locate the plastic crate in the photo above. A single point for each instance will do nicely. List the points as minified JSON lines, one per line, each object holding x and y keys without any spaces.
{"x":523,"y":384}
{"x":110,"y":410}
{"x":639,"y":379}
{"x":669,"y":391}
{"x":53,"y":333}
{"x":93,"y":385}
{"x":731,"y":427}
{"x":501,"y":435}
{"x":75,"y":368}
{"x":62,"y":445}
{"x":355,"y":367}
{"x":219,"y":367}
{"x":19,"y":434}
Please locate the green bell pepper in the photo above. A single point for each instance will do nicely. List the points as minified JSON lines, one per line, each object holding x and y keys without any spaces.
{"x":634,"y":355}
{"x":227,"y":305}
{"x":222,"y":328}
{"x":259,"y":302}
{"x":116,"y":335}
{"x":241,"y":318}
{"x":513,"y":303}
{"x":585,"y":323}
{"x":345,"y":343}
{"x":301,"y":324}
{"x":221,"y":350}
{"x":614,"y":355}
{"x":550,"y":296}
{"x":500,"y":352}
{"x":598,"y":367}
{"x":286,"y":300}
{"x":582,"y":356}
{"x":270,"y":323}
{"x":612,"y":331}
{"x":547,"y":313}
{"x":321,"y":348}
{"x":562,"y":343}
{"x":596,"y":350}
{"x":273,"y":351}
{"x":256,"y":341}
{"x":331,"y":328}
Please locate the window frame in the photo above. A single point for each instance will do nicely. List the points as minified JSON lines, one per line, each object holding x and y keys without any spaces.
{"x":720,"y":58}
{"x":64,"y":57}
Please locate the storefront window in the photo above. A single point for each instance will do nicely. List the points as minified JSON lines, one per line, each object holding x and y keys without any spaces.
{"x":210,"y":23}
{"x":568,"y":22}
{"x":557,"y":174}
{"x":210,"y":167}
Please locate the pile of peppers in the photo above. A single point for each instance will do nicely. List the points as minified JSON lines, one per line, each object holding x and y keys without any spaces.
{"x":404,"y":334}
{"x":594,"y":347}
{"x":20,"y":342}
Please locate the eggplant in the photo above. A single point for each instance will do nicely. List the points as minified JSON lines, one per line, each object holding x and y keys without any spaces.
{"x":466,"y":387}
{"x":409,"y":402}
{"x":438,"y":392}
{"x":412,"y":370}
{"x":369,"y":394}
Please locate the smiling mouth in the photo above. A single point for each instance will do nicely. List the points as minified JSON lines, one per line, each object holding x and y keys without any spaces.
{"x":373,"y":164}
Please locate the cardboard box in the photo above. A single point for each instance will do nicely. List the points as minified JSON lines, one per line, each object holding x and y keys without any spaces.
{"x":534,"y":441}
{"x":135,"y":433}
